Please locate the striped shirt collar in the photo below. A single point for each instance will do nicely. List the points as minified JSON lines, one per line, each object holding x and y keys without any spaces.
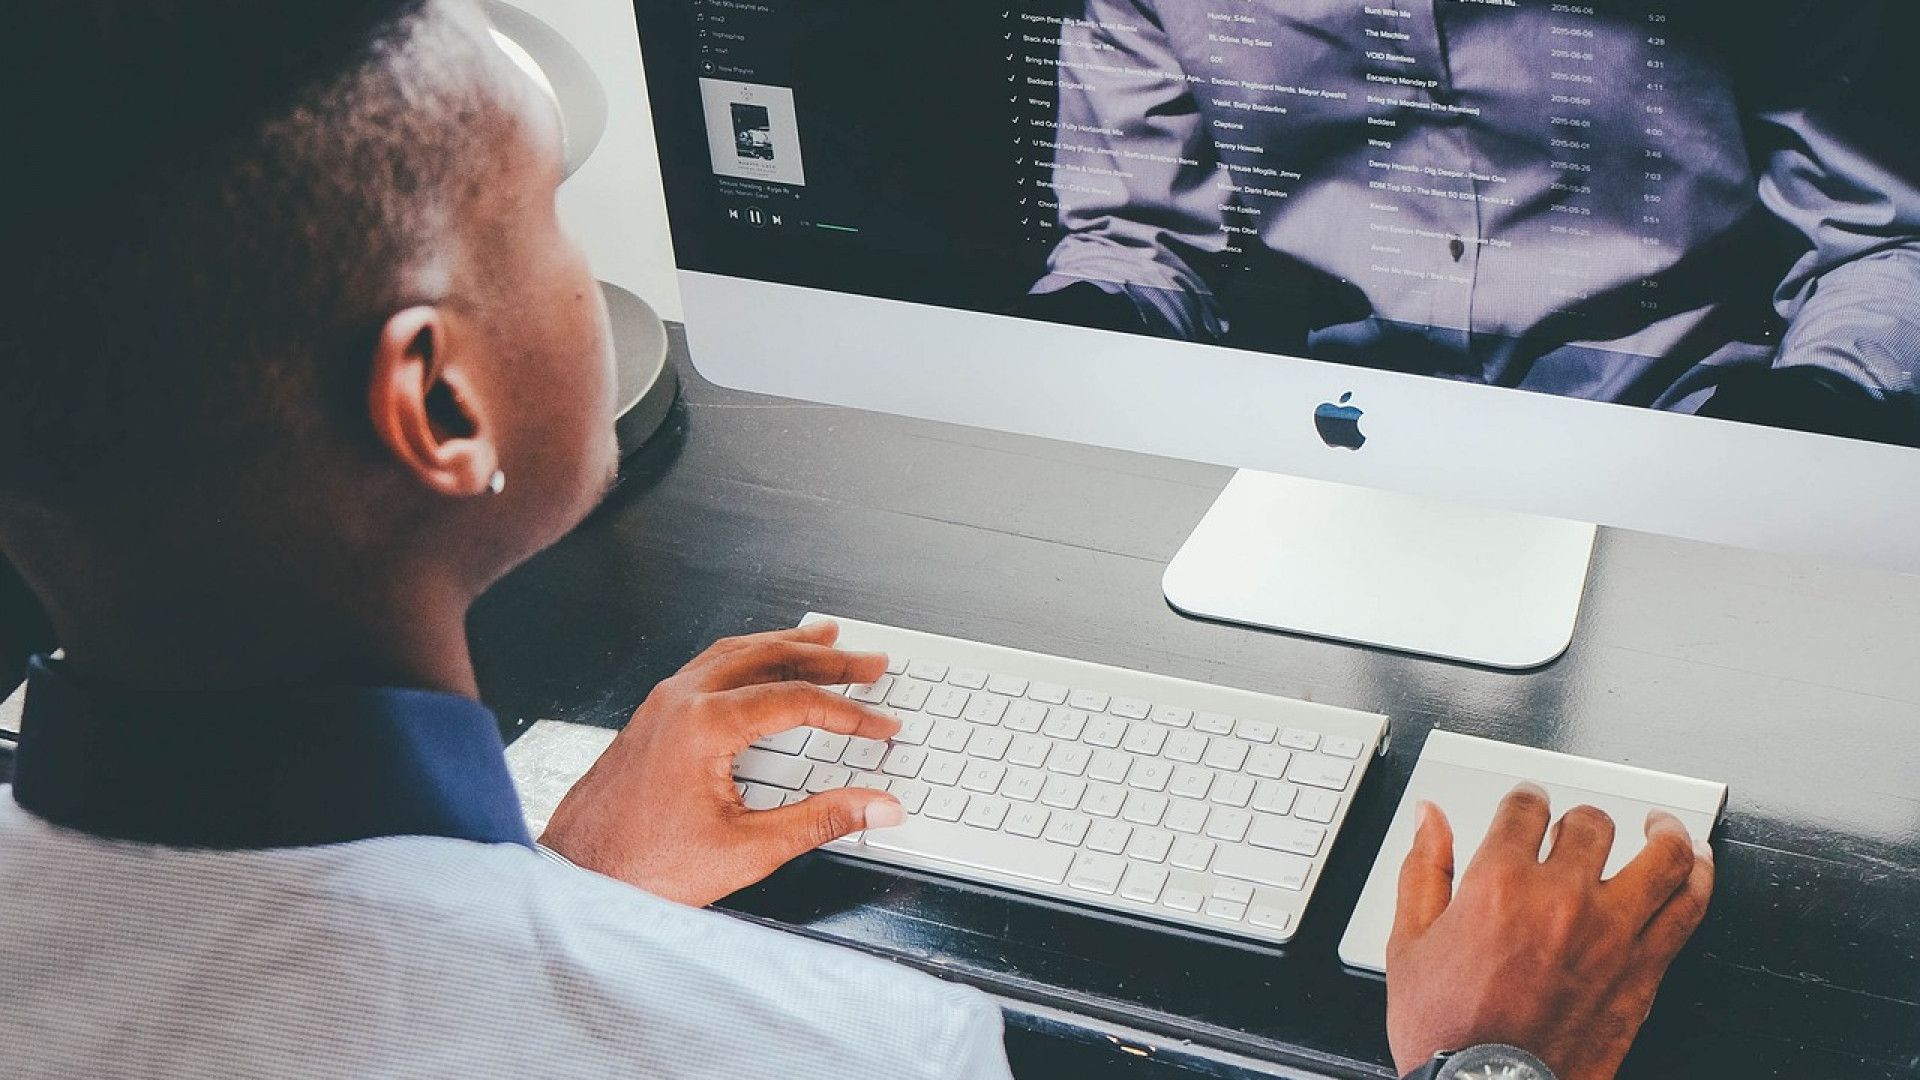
{"x":261,"y":769}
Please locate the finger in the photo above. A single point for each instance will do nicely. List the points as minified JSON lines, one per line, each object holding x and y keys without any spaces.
{"x":777,"y":836}
{"x":1426,"y":878}
{"x":1679,"y":917}
{"x":1519,"y":826}
{"x":1582,"y":840}
{"x":789,"y":661}
{"x":749,"y":713}
{"x":1662,"y":869}
{"x":825,"y":632}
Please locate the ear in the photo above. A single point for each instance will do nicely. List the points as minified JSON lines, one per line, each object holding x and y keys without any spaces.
{"x":426,"y":410}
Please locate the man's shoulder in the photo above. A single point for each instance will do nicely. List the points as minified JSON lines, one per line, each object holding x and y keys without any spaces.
{"x":492,"y":947}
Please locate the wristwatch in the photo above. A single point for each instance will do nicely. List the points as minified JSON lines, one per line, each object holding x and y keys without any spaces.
{"x":1489,"y":1062}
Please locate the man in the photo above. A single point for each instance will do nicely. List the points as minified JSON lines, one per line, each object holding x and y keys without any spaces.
{"x":1700,"y":207}
{"x":297,"y":361}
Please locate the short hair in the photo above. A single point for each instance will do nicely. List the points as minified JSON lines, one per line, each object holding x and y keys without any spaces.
{"x":213,"y":206}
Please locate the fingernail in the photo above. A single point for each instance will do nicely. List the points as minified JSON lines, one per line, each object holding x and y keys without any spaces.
{"x":1531,"y":788}
{"x":885,"y":814}
{"x":1423,"y":812}
{"x":1704,"y":850}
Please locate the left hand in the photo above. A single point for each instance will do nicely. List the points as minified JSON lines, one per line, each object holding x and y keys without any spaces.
{"x":659,"y":809}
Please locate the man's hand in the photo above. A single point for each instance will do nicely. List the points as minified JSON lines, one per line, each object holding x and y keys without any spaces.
{"x":660,"y":810}
{"x":1537,"y":954}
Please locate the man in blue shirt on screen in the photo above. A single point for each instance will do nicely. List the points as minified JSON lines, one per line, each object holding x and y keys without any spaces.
{"x":296,"y":362}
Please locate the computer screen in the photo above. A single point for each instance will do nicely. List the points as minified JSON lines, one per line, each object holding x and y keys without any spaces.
{"x":1649,"y":263}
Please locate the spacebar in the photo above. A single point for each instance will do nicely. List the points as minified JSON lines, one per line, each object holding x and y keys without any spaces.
{"x":965,"y":845}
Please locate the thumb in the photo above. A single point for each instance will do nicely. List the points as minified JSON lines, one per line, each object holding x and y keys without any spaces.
{"x":780,"y":835}
{"x":1426,"y":878}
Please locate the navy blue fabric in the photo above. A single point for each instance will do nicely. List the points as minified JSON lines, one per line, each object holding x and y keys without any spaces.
{"x":254,"y":770}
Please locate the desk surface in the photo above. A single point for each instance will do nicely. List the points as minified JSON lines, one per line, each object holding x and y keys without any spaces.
{"x":1795,"y":682}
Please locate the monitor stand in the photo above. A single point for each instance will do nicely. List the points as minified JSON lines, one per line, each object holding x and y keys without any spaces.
{"x":1487,"y":587}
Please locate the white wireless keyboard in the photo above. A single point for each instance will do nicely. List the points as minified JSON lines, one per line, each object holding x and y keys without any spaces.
{"x":1200,"y":805}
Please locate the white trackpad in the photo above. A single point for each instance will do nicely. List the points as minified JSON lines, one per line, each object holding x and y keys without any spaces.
{"x":1467,"y":777}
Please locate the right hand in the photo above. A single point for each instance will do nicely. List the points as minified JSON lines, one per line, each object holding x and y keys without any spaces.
{"x":1538,"y":954}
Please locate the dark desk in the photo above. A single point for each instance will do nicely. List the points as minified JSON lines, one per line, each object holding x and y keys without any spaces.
{"x":1796,"y":683}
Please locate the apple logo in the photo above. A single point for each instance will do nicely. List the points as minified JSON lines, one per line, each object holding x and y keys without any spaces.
{"x":1339,"y":423}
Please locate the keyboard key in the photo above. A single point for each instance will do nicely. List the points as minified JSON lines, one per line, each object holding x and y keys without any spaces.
{"x":1067,"y":829}
{"x":1285,"y":834}
{"x":909,"y":695}
{"x":1256,"y":731}
{"x":1237,"y":891}
{"x":1214,"y":723}
{"x":1064,"y":723}
{"x":1262,"y":867}
{"x":828,"y":778}
{"x":947,"y":702}
{"x":964,"y":845}
{"x":1316,"y":805}
{"x":1144,"y":738}
{"x":970,"y":679}
{"x":984,"y":709}
{"x":1299,"y":739}
{"x":1226,"y":909}
{"x":897,"y":665}
{"x":787,"y":742}
{"x":986,"y":812}
{"x":1150,"y":845}
{"x":1029,"y":750}
{"x":1192,"y":853}
{"x":914,"y":730}
{"x":1269,"y":762}
{"x":1096,"y":873}
{"x":1144,"y":807}
{"x":1184,"y":892}
{"x":1091,"y":700}
{"x":983,"y":776}
{"x":864,"y":754}
{"x":1186,"y":746}
{"x":776,"y":770}
{"x":1069,"y":758}
{"x":1105,"y":731}
{"x":1273,"y":797}
{"x":904,"y":761}
{"x":1190,"y":781}
{"x":911,"y":793}
{"x":1172,"y":715}
{"x":1342,"y":747}
{"x":1233,"y":790}
{"x":1229,"y":824}
{"x":1268,"y":911}
{"x":1187,"y":816}
{"x":1025,"y":716}
{"x":928,"y":670}
{"x":1227,"y":755}
{"x":1028,"y":821}
{"x":1315,"y":770}
{"x":1051,"y":693}
{"x":1023,"y":785}
{"x":945,"y":805}
{"x":1104,"y":800}
{"x":943,"y":769}
{"x":1150,"y":774}
{"x":826,"y":746}
{"x":1109,"y":836}
{"x":1009,"y":685}
{"x":760,"y":797}
{"x":1143,"y":883}
{"x":1130,"y":708}
{"x":950,"y":735}
{"x":872,"y":693}
{"x":1109,"y":766}
{"x":990,"y":743}
{"x":1063,"y":792}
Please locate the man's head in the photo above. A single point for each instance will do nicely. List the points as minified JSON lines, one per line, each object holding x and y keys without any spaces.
{"x":285,"y":287}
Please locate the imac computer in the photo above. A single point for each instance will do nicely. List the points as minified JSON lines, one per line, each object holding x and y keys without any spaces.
{"x":1450,"y":282}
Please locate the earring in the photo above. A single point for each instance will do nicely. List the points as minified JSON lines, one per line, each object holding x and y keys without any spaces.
{"x":498,"y":482}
